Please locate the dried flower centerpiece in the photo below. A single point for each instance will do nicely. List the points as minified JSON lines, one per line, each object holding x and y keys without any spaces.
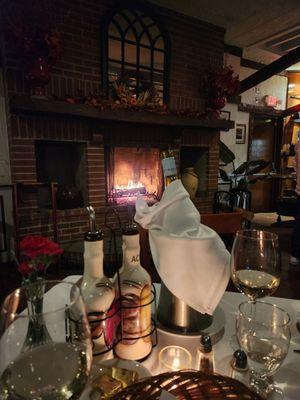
{"x":217,"y":86}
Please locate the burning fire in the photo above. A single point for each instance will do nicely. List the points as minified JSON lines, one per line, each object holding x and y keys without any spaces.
{"x":129,"y":190}
{"x":130,"y":185}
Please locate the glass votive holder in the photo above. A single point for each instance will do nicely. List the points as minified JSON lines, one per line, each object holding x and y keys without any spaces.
{"x":174,"y":358}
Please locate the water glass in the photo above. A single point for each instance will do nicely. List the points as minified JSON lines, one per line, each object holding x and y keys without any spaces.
{"x":263,"y":332}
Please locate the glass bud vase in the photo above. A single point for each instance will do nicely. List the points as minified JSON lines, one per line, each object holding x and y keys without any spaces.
{"x":37,"y":332}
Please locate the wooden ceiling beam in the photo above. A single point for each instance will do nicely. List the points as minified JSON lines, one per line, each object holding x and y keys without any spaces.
{"x":291,"y":110}
{"x":274,"y":68}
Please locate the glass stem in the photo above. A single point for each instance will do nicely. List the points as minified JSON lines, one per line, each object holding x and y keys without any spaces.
{"x":260,"y":384}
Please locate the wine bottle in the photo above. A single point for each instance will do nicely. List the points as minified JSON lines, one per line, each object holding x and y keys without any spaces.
{"x":135,"y":286}
{"x":169,"y":166}
{"x":98,"y":292}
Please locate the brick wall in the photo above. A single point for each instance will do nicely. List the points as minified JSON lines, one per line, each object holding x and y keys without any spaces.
{"x":195,"y":45}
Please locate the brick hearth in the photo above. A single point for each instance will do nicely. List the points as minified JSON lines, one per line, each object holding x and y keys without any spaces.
{"x":195,"y":45}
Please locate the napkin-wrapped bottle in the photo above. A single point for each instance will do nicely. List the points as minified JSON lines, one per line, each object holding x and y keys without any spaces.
{"x":190,"y":257}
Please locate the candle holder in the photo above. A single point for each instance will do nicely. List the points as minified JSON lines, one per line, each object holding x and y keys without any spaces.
{"x":174,"y":358}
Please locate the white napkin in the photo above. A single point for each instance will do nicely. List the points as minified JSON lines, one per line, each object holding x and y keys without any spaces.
{"x":190,"y":257}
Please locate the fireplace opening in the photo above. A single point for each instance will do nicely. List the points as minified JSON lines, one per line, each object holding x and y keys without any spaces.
{"x":196,"y":158}
{"x":63,"y":163}
{"x":133,"y":172}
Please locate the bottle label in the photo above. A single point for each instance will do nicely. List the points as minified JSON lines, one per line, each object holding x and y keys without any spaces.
{"x":169,"y":166}
{"x":131,"y":257}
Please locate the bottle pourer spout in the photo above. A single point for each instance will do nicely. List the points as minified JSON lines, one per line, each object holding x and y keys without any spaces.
{"x":92,"y":216}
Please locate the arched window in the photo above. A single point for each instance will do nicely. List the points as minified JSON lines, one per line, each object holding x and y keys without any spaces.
{"x":135,"y":49}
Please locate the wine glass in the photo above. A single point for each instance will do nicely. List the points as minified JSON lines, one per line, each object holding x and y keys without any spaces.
{"x":45,"y":342}
{"x":263,"y":331}
{"x":255,"y":263}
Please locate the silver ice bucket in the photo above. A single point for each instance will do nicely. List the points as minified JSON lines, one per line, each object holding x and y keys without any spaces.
{"x":177,"y":316}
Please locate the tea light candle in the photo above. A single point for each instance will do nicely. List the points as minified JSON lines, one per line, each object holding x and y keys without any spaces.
{"x":174,"y":358}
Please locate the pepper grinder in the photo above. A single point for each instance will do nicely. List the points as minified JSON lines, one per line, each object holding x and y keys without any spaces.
{"x":239,"y":367}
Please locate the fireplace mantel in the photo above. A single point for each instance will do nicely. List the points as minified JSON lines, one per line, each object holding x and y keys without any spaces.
{"x":27,"y":104}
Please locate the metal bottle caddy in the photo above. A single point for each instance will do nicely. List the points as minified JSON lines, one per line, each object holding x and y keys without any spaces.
{"x":175,"y":315}
{"x":110,"y":321}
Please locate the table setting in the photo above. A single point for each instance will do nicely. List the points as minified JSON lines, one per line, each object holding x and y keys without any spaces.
{"x":93,"y":337}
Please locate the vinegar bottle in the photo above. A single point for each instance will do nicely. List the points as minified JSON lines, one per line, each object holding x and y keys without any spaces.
{"x":135,"y":286}
{"x":98,"y":292}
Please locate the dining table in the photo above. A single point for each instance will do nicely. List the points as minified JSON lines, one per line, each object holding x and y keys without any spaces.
{"x":288,"y":375}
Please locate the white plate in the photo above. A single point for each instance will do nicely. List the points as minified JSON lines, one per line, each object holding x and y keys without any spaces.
{"x":100,"y":367}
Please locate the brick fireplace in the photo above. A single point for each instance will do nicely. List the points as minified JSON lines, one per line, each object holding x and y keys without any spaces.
{"x":195,"y":45}
{"x":131,"y":172}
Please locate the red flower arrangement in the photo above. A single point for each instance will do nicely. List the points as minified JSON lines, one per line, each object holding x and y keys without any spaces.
{"x":39,"y":44}
{"x":38,"y":253}
{"x":218,"y":85}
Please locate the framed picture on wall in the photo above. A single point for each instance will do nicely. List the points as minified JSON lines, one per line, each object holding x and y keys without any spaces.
{"x":225,"y":115}
{"x":240,"y":133}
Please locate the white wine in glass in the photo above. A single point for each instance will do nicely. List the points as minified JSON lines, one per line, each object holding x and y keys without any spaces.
{"x":21,"y":381}
{"x":255,"y":263}
{"x":35,"y":365}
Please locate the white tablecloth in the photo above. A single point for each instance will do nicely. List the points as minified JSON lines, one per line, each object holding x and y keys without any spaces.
{"x":288,"y":376}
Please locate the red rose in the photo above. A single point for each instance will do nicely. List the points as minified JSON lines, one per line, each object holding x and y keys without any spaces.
{"x":33,"y":246}
{"x":40,"y":267}
{"x":25,"y":269}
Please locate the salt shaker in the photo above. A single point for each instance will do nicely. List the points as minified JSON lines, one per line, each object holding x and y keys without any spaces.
{"x":205,"y":356}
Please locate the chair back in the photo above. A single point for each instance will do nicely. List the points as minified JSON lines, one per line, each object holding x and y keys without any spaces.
{"x":223,"y":223}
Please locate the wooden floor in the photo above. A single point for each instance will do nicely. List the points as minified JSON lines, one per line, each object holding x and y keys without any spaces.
{"x":289,"y":285}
